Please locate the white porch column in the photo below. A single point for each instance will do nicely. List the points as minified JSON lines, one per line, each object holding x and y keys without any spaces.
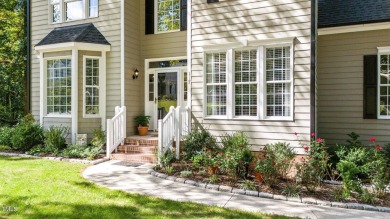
{"x":103,"y":105}
{"x":75,"y":93}
{"x":42,"y":88}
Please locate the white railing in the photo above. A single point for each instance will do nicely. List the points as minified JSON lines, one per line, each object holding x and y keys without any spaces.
{"x":175,"y":126}
{"x":116,"y":130}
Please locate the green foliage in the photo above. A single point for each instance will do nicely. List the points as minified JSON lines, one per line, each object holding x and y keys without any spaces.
{"x":5,"y":148}
{"x":38,"y":150}
{"x":248,"y":185}
{"x":313,"y":167}
{"x":99,"y":137}
{"x":291,"y":190}
{"x":213,"y":179}
{"x":13,"y":41}
{"x":196,"y":141}
{"x":26,"y":135}
{"x":377,"y":171}
{"x":55,"y":138}
{"x":185,"y":173}
{"x":348,"y":171}
{"x":169,"y":170}
{"x":354,"y":141}
{"x":386,"y":153}
{"x":274,"y":162}
{"x":142,"y":120}
{"x":5,"y":136}
{"x":76,"y":151}
{"x":167,"y":158}
{"x":236,"y":156}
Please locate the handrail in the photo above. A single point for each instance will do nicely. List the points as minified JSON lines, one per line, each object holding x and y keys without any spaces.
{"x":116,"y":130}
{"x":174,"y":127}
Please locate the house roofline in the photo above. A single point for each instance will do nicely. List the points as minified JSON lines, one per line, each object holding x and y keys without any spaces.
{"x":354,"y":28}
{"x":73,"y":45}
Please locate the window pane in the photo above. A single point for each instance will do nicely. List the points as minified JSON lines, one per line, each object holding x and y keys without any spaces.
{"x":168,"y":15}
{"x":58,"y":87}
{"x":93,"y":8}
{"x":74,"y":10}
{"x":56,"y":13}
{"x":91,"y":86}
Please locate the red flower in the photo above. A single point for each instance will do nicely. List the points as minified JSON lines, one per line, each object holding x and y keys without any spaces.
{"x":372,"y":139}
{"x":306,"y":148}
{"x":228,"y":157}
{"x":313,"y":134}
{"x":378,"y":148}
{"x":319,"y":140}
{"x":220,"y":153}
{"x":295,"y":133}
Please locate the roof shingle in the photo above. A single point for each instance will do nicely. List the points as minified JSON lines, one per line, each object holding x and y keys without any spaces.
{"x":332,"y":13}
{"x":85,"y":33}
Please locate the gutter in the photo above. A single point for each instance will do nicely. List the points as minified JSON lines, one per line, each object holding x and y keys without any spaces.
{"x":28,"y":67}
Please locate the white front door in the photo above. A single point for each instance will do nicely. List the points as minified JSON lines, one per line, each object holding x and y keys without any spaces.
{"x":164,"y":88}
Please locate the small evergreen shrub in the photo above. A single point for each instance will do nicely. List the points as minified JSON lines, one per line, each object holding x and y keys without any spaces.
{"x":167,"y":158}
{"x":5,"y":136}
{"x":76,"y":151}
{"x":196,"y":141}
{"x":27,"y":134}
{"x":55,"y":138}
{"x":99,"y":137}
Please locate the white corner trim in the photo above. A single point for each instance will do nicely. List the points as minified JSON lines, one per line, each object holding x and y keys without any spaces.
{"x":42,"y":88}
{"x":123,"y":53}
{"x":75,"y":96}
{"x":102,"y":83}
{"x":71,"y":46}
{"x":353,"y":28}
{"x":189,"y":54}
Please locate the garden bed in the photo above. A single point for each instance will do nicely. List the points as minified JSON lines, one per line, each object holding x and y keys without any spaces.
{"x":325,"y":192}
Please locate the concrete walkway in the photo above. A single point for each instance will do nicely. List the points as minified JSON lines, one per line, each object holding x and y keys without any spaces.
{"x":135,"y":179}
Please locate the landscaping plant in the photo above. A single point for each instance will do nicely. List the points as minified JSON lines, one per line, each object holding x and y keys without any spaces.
{"x":27,"y":133}
{"x":99,"y":137}
{"x":55,"y":139}
{"x":196,"y":141}
{"x":5,"y":136}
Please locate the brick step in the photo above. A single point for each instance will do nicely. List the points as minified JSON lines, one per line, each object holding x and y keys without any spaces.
{"x":135,"y":148}
{"x":141,"y":142}
{"x":134,"y":157}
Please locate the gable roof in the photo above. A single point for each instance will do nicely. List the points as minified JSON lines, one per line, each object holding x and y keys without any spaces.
{"x":84,"y":33}
{"x":332,"y":13}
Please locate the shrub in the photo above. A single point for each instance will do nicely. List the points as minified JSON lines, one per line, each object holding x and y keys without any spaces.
{"x":386,"y":153}
{"x":55,"y":138}
{"x":27,"y":134}
{"x":185,"y":173}
{"x":377,"y":170}
{"x":313,"y":168}
{"x":265,"y":165}
{"x":348,"y":171}
{"x":76,"y":151}
{"x":236,"y":156}
{"x":167,"y":158}
{"x":292,"y":190}
{"x":213,"y":179}
{"x":99,"y":137}
{"x":169,"y":170}
{"x":5,"y":136}
{"x":248,"y":185}
{"x":38,"y":150}
{"x":196,"y":141}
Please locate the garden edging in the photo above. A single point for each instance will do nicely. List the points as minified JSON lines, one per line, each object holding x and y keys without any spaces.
{"x":306,"y":200}
{"x":71,"y":160}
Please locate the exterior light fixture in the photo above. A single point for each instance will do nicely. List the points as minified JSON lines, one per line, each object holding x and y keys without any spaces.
{"x":135,"y":75}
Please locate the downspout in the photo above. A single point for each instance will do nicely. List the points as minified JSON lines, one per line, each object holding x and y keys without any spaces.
{"x":313,"y":68}
{"x":28,"y":67}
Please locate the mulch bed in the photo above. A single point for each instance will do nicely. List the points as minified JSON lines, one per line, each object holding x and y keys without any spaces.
{"x":325,"y":192}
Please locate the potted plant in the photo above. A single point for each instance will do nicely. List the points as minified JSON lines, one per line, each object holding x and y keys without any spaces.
{"x":142,"y":122}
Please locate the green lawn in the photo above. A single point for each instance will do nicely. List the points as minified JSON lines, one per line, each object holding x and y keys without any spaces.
{"x":38,"y":188}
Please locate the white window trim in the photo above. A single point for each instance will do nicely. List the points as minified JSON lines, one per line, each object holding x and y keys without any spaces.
{"x":53,"y":115}
{"x":228,"y":93}
{"x":156,"y":20}
{"x":261,"y":45}
{"x":85,"y":115}
{"x":62,"y":4}
{"x":381,"y":51}
{"x":291,"y":81}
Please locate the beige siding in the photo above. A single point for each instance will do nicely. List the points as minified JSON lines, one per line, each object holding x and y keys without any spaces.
{"x":108,"y":23}
{"x":252,"y":20}
{"x":161,"y":45}
{"x":134,"y":89}
{"x":340,"y":86}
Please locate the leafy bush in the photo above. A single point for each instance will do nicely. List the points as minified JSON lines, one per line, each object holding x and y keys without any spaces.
{"x":76,"y":151}
{"x":206,"y":158}
{"x":38,"y":150}
{"x":236,"y":156}
{"x":55,"y":138}
{"x":167,"y":158}
{"x":27,"y":134}
{"x":377,"y":170}
{"x":196,"y":141}
{"x":248,"y":185}
{"x":386,"y":153}
{"x":314,"y":166}
{"x":99,"y":137}
{"x":5,"y":148}
{"x":169,"y":170}
{"x":292,"y":190}
{"x":213,"y":179}
{"x":5,"y":136}
{"x":185,"y":173}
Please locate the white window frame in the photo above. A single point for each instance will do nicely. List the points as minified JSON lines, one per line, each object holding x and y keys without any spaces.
{"x":156,"y":31}
{"x":85,"y":115}
{"x":261,"y":46}
{"x":228,"y":79}
{"x":291,"y":81}
{"x":45,"y":113}
{"x":381,"y":51}
{"x":62,"y":4}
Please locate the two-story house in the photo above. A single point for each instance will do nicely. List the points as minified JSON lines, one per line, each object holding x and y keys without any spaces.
{"x":256,"y":66}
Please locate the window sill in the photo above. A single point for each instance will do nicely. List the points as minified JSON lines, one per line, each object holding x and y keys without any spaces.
{"x":67,"y":116}
{"x":91,"y":116}
{"x":278,"y":119}
{"x":171,"y":31}
{"x":64,"y":22}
